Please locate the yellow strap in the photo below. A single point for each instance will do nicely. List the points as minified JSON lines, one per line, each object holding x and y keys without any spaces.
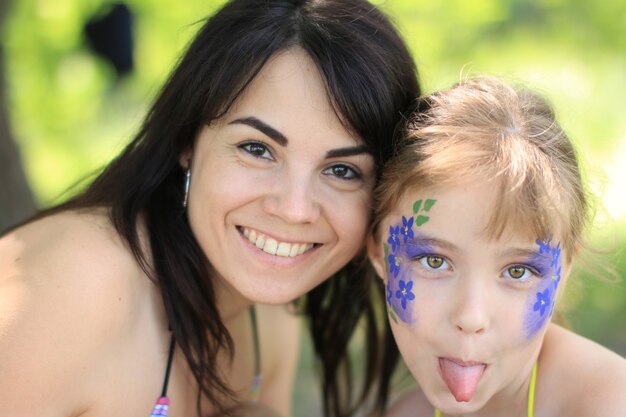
{"x":531,"y":394}
{"x":531,"y":391}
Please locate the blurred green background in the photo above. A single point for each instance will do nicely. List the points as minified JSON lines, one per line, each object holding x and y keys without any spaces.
{"x":70,"y":115}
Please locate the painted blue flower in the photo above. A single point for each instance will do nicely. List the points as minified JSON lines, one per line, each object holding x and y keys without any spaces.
{"x":407,"y":228}
{"x":556,"y":255}
{"x":543,"y":302}
{"x":556,"y":278}
{"x":544,"y":247}
{"x":404,"y":293}
{"x":389,"y":292}
{"x":394,"y":264}
{"x":394,"y":237}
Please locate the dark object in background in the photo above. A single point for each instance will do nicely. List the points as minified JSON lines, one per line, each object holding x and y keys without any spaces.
{"x":111,"y":36}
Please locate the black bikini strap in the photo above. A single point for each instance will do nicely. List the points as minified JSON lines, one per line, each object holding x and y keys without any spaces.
{"x":257,"y":355}
{"x":169,"y":366}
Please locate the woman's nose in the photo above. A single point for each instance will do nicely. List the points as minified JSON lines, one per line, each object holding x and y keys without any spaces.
{"x":294,"y":201}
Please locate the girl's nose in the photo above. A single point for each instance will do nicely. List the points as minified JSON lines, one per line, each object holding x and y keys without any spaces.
{"x":470,"y":314}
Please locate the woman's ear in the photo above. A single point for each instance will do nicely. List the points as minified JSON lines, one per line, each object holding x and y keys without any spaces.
{"x":184,"y":160}
{"x":376,"y":255}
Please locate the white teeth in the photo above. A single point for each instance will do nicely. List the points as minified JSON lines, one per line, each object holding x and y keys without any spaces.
{"x":284,"y":249}
{"x":274,"y":247}
{"x":303,"y":248}
{"x":270,"y":246}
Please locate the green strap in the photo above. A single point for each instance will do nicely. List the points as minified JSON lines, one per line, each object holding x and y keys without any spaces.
{"x":256,"y":381}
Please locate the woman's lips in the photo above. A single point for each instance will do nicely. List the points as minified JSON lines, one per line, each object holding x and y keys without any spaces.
{"x":461,"y":377}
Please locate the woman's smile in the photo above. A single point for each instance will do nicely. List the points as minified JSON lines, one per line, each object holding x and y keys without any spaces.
{"x":274,"y":246}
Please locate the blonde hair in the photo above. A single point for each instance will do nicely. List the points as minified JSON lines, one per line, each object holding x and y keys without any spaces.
{"x":483,"y":128}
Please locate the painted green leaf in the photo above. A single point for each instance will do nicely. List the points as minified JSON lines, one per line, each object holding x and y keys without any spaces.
{"x":420,"y":220}
{"x":429,"y":203}
{"x":393,"y":316}
{"x":417,"y":205}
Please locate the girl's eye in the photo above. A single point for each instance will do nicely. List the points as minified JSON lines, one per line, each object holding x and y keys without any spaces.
{"x":256,"y":149}
{"x":433,"y":262}
{"x":342,"y":171}
{"x":518,"y":272}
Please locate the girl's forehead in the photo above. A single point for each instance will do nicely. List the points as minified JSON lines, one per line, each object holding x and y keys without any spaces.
{"x":474,"y":207}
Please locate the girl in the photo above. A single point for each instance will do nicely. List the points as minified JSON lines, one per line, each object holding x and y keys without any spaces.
{"x":250,"y":181}
{"x":478,"y":219}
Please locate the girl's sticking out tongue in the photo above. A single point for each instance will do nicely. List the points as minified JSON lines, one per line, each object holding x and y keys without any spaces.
{"x":461,"y":380}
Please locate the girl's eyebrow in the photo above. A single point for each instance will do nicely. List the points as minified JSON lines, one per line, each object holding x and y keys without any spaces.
{"x":519,"y":252}
{"x":262,"y":127}
{"x":422,"y":239}
{"x":269,"y":131}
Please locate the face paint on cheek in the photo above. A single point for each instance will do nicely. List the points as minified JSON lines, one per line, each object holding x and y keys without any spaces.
{"x":540,"y":304}
{"x":400,"y":249}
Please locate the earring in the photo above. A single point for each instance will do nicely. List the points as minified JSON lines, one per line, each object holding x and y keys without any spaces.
{"x":187,"y":183}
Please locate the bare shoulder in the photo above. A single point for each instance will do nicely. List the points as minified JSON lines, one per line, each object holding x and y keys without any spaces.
{"x":68,"y":239}
{"x":66,"y":295}
{"x":590,"y":377}
{"x":410,"y":404}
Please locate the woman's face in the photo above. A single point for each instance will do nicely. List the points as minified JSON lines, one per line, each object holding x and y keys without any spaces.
{"x":468,"y":312}
{"x":280,"y":190}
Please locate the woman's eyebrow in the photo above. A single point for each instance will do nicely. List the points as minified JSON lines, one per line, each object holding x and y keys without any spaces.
{"x":281,"y":139}
{"x":262,"y":127}
{"x":349,"y":151}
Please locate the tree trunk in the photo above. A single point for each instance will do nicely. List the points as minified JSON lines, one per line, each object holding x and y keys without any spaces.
{"x":16,"y":198}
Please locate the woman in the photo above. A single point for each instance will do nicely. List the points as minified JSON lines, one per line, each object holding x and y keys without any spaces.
{"x":249,"y":182}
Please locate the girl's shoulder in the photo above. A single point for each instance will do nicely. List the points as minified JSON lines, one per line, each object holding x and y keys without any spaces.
{"x":583,"y":377}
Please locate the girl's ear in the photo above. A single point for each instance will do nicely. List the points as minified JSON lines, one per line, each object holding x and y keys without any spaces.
{"x":376,"y":255}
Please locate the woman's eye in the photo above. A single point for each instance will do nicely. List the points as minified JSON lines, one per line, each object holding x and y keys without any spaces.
{"x":258,"y":150}
{"x":343,"y":172}
{"x":518,"y":272}
{"x":433,"y":262}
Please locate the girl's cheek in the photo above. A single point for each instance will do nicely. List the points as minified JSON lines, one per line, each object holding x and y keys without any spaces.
{"x":542,"y":298}
{"x":401,"y":245}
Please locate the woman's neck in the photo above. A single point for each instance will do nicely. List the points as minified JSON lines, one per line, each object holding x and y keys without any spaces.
{"x":230,"y":303}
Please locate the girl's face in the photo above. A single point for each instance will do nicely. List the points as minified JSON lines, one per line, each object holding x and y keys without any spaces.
{"x":468,"y":313}
{"x":280,"y":190}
